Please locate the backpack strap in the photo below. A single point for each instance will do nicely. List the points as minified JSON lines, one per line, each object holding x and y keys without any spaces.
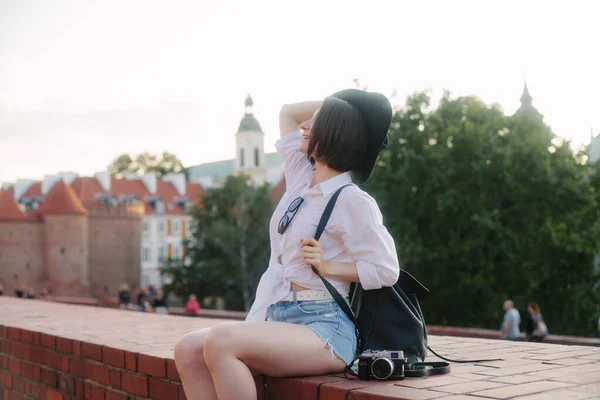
{"x":333,"y":291}
{"x":421,"y":369}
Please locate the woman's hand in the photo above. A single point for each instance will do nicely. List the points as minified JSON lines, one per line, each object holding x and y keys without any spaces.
{"x":313,"y":254}
{"x":292,"y":115}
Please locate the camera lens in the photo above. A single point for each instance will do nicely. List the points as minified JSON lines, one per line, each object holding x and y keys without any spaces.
{"x":382,"y":368}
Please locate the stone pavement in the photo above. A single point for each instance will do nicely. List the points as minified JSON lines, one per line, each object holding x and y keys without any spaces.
{"x":58,"y":351}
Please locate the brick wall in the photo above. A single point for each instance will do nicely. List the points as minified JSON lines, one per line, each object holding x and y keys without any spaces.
{"x":41,"y":366}
{"x":21,"y":257}
{"x":66,"y":254}
{"x":80,"y":352}
{"x":115,"y":251}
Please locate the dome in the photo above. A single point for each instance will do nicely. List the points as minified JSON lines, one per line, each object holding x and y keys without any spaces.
{"x":249,"y":123}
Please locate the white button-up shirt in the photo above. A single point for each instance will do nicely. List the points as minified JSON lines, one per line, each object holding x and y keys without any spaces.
{"x":354,"y":234}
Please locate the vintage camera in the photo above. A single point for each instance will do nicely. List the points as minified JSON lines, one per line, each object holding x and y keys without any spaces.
{"x":381,"y":364}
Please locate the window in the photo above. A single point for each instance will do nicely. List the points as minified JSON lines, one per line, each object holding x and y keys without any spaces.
{"x":146,"y":254}
{"x":176,"y":226}
{"x":177,"y":252}
{"x":256,"y":157}
{"x":161,"y":253}
{"x":145,"y":227}
{"x":241,"y":157}
{"x":161,"y":226}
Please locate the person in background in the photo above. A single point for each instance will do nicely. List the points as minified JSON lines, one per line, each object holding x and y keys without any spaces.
{"x":192,"y":307}
{"x":1,"y":289}
{"x":510,"y":325}
{"x":20,"y":291}
{"x":30,"y":293}
{"x":536,"y":327}
{"x":159,"y":304}
{"x":124,"y":296}
{"x":142,"y":299}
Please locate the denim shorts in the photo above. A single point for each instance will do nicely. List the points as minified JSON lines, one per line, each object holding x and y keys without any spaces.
{"x":325,"y":318}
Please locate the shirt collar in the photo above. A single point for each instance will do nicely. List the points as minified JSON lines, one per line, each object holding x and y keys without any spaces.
{"x":333,"y":184}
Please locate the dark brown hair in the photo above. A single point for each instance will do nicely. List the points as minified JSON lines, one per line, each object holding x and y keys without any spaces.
{"x":534,"y":306}
{"x":338,"y":136}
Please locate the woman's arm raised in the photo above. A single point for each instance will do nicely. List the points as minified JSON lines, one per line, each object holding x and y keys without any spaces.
{"x":292,"y":115}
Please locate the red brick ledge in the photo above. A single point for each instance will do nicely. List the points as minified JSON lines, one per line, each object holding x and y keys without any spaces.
{"x":57,"y":351}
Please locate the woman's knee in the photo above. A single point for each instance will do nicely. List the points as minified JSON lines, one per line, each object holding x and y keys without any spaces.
{"x":190,"y":347}
{"x":220,"y":342}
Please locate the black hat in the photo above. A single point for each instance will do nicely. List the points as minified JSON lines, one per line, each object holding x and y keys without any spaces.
{"x":377,"y":114}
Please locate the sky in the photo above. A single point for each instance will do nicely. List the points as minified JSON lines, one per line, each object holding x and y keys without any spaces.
{"x":83,"y":81}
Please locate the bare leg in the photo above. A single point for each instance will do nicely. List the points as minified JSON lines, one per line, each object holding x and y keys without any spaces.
{"x":233,"y":350}
{"x":189,"y":358}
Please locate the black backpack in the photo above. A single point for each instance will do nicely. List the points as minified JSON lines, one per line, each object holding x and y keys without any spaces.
{"x":389,"y":318}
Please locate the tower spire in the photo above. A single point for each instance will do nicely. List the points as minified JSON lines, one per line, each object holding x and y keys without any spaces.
{"x":527,"y":108}
{"x":526,"y":99}
{"x":249,"y":103}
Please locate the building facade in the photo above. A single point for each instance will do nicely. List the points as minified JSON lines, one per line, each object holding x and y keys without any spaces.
{"x":132,"y":226}
{"x":66,"y":247}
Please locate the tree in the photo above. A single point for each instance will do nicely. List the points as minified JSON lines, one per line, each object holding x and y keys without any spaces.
{"x":145,"y":163}
{"x":486,"y":207}
{"x":229,"y":249}
{"x":121,"y":164}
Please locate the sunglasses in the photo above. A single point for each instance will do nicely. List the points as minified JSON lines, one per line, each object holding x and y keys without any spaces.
{"x":287,"y":219}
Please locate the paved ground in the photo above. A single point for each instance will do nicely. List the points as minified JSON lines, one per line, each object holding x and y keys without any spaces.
{"x":530,"y":370}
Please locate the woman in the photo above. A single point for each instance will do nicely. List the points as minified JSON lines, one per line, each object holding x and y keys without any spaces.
{"x":536,"y":327}
{"x":294,"y":327}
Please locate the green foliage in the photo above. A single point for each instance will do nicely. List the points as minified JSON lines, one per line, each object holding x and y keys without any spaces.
{"x":485,"y":207}
{"x":229,"y":249}
{"x":146,"y":163}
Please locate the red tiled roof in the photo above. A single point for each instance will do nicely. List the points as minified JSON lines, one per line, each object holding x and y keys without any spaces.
{"x":9,"y":211}
{"x":10,"y":191}
{"x":194,"y":191}
{"x":87,"y":188}
{"x":35,"y":190}
{"x":61,"y":199}
{"x":167,"y":192}
{"x":122,"y":186}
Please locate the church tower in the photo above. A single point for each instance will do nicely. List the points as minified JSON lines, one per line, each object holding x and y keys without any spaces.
{"x":249,"y":146}
{"x":527,"y":108}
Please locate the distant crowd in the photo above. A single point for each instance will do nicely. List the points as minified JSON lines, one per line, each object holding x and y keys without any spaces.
{"x":26,"y":293}
{"x":150,"y":299}
{"x":535,"y":327}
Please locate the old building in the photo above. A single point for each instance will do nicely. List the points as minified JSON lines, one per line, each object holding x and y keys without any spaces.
{"x":66,"y":247}
{"x":125,"y":230}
